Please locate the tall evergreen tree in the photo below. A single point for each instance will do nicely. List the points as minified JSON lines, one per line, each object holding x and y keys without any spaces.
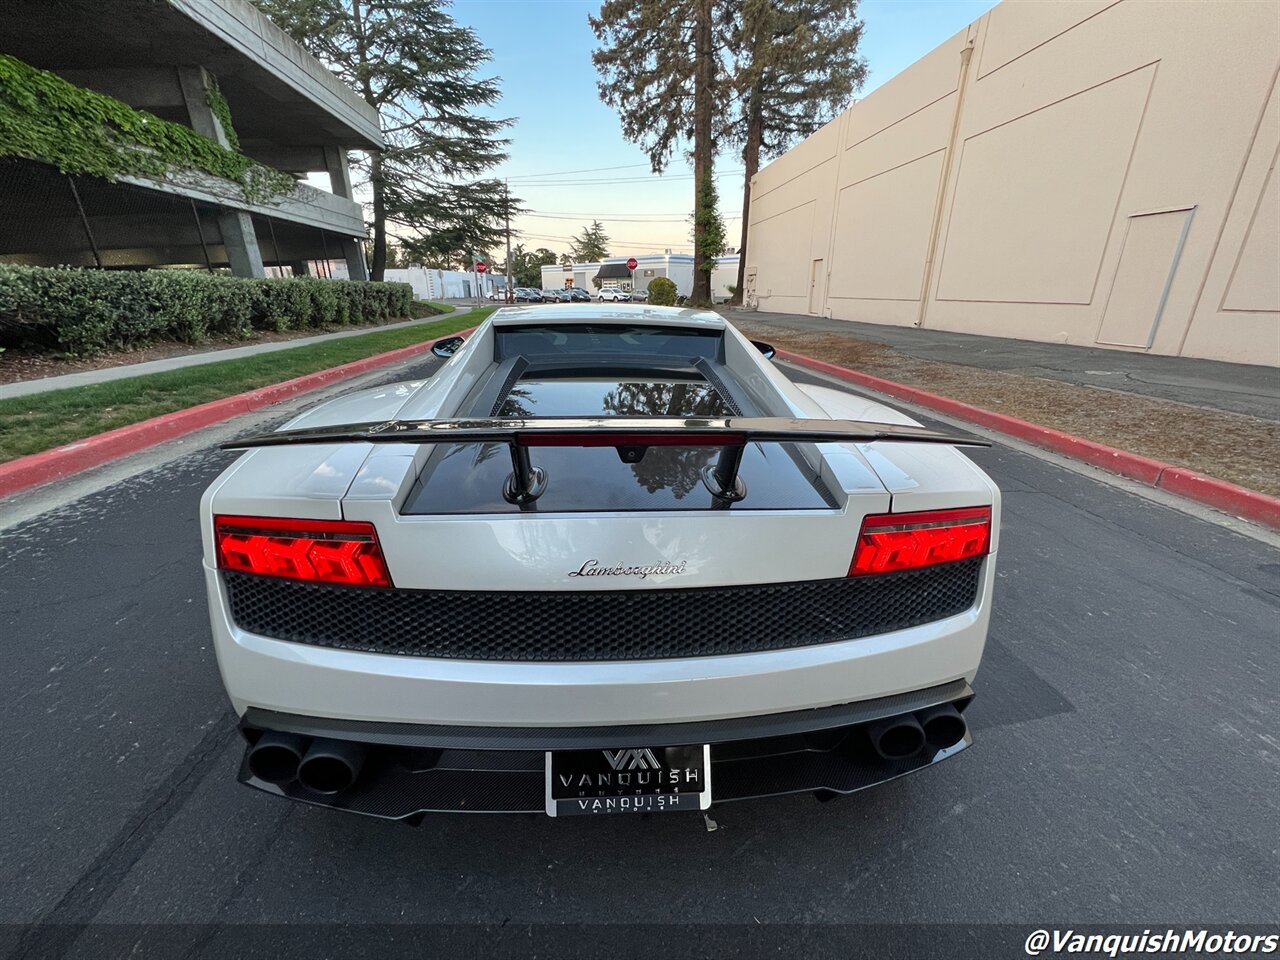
{"x":797,"y":65}
{"x":707,"y":222}
{"x":660,"y":67}
{"x":417,"y":67}
{"x":592,"y":245}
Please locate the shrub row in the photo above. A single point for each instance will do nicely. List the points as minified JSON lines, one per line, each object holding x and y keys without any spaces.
{"x":80,"y":311}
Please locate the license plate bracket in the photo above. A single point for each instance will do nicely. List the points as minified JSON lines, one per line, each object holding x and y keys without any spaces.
{"x":628,"y":780}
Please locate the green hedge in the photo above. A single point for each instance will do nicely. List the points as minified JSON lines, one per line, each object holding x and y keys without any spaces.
{"x":79,"y":311}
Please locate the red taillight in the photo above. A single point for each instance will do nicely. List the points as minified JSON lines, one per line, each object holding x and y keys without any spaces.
{"x":907,"y":541}
{"x":321,"y":551}
{"x":605,"y":439}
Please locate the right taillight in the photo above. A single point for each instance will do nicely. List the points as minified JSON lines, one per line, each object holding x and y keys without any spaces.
{"x":908,"y":541}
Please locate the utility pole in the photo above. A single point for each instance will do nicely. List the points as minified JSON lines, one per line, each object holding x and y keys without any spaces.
{"x":506,"y":211}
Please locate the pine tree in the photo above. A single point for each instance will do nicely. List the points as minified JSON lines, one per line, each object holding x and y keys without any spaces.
{"x":659,"y":68}
{"x":592,"y":245}
{"x":797,"y":66}
{"x":417,"y":67}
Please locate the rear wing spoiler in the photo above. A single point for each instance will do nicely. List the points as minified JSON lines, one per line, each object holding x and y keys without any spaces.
{"x":631,"y":436}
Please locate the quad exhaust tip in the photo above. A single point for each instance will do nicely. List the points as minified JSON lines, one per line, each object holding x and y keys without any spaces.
{"x":897,"y":738}
{"x":331,"y":766}
{"x":276,"y":756}
{"x":943,"y":726}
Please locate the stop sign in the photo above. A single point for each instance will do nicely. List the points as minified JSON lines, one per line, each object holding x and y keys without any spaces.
{"x":481,"y":267}
{"x":632,"y":263}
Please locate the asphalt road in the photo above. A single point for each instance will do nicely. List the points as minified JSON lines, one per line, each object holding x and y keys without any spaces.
{"x":1125,"y":769}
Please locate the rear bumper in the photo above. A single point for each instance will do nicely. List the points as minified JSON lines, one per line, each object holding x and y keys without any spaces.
{"x":303,"y":680}
{"x":412,"y":770}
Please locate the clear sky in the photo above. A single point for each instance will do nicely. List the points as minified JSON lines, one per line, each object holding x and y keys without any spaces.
{"x":569,"y":161}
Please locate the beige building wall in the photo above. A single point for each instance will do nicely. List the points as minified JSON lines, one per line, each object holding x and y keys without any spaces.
{"x":1096,"y":172}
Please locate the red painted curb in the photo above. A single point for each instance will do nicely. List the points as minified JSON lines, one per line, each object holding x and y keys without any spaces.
{"x":26,"y":472}
{"x":1218,"y":494}
{"x":1223,"y":496}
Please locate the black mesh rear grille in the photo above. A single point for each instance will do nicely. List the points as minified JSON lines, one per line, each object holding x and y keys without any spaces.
{"x":599,"y":625}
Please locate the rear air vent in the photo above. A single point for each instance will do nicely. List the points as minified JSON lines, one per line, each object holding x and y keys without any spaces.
{"x":600,"y":625}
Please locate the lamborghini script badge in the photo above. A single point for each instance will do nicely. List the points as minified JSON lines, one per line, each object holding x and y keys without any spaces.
{"x":592,"y":568}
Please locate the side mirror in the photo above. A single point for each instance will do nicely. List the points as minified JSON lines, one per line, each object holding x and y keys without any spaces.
{"x":765,"y":348}
{"x":447,"y":347}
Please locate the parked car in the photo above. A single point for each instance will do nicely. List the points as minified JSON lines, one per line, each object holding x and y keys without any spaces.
{"x":528,"y":295}
{"x":614,"y":295}
{"x":640,"y":296}
{"x":551,"y":296}
{"x":599,"y":588}
{"x":578,"y":295}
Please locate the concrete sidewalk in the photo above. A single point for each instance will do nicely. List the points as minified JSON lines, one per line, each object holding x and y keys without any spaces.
{"x":26,"y":388}
{"x":1231,"y":387}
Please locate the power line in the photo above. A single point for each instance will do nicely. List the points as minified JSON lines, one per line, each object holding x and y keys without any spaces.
{"x":579,"y":218}
{"x":614,"y":181}
{"x":602,"y":215}
{"x":612,"y":242}
{"x":561,"y":173}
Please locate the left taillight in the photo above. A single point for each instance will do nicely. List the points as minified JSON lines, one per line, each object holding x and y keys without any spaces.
{"x":908,"y":541}
{"x":318,"y":551}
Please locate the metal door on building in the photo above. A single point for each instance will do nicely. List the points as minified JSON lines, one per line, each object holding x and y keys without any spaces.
{"x":817,"y":287}
{"x":1149,"y":258}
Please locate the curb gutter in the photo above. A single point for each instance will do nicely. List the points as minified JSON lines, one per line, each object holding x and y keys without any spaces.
{"x":59,"y":462}
{"x":1227,"y":497}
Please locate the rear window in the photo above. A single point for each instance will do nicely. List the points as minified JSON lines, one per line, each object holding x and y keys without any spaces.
{"x":582,"y":341}
{"x":591,"y":397}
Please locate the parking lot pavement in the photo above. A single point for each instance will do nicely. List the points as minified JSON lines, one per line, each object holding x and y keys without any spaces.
{"x":1125,"y":765}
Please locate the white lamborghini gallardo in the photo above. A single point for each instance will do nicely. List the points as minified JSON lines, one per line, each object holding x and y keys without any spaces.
{"x":601,"y":561}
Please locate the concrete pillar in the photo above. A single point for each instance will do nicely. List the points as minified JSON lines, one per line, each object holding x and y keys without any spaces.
{"x":236,"y":227}
{"x":353,"y":251}
{"x":241,"y":244}
{"x":195,"y":84}
{"x":335,"y":162}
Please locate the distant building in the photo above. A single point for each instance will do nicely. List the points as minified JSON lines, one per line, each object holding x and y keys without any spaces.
{"x":613,"y":273}
{"x":431,"y":284}
{"x":287,"y":109}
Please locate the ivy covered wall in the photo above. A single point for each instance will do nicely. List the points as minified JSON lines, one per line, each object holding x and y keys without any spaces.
{"x":45,"y":118}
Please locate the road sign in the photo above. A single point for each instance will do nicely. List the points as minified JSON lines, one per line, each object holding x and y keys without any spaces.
{"x":632,"y":263}
{"x":481,"y":267}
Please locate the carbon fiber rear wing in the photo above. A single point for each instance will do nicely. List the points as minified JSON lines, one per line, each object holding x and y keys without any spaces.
{"x":631,"y":436}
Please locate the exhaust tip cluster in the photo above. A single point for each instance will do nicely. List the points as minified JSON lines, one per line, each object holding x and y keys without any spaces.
{"x":322,"y":766}
{"x":904,"y":736}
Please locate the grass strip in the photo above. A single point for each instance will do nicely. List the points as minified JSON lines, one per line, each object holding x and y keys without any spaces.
{"x":41,"y":421}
